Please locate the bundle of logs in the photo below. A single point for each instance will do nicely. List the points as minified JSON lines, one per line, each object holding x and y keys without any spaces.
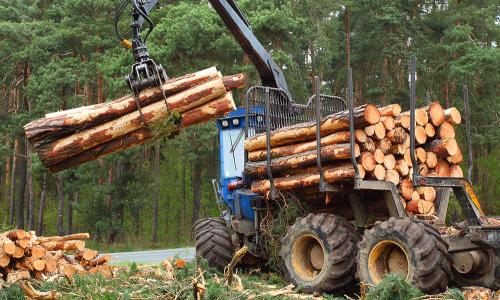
{"x":381,"y":150}
{"x":23,"y":255}
{"x":69,"y":138}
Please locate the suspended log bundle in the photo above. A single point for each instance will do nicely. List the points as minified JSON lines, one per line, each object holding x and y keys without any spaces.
{"x":72,"y":137}
{"x":382,"y":152}
{"x":23,"y":255}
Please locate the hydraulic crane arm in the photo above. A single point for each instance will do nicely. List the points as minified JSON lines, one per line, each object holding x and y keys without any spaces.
{"x":235,"y":20}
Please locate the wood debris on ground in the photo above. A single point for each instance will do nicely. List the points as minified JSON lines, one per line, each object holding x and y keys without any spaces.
{"x":382,"y":150}
{"x":23,"y":255}
{"x":69,"y":138}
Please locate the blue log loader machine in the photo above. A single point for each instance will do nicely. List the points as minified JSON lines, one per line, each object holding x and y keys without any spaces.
{"x":338,"y":242}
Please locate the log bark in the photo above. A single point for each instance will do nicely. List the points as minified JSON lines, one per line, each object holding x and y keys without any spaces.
{"x":212,"y":110}
{"x":333,"y":174}
{"x":364,"y":115}
{"x":443,"y":148}
{"x":64,"y":123}
{"x":334,"y":138}
{"x":328,"y":153}
{"x":452,"y":116}
{"x":59,"y":150}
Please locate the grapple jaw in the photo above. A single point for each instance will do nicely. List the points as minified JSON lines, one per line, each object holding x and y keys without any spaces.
{"x":144,"y":75}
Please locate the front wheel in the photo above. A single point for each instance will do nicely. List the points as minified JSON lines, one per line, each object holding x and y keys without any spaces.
{"x":477,"y":268}
{"x":213,"y":242}
{"x":319,"y":253}
{"x":411,"y":249}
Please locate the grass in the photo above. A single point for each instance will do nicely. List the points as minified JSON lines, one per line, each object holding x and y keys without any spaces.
{"x":154,"y":282}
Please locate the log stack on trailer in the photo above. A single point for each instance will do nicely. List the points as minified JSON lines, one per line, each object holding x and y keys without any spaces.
{"x":382,"y":151}
{"x":23,"y":255}
{"x":69,"y":138}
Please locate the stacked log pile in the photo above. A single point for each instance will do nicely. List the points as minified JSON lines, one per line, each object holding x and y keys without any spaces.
{"x":69,"y":138}
{"x":23,"y":255}
{"x":381,"y":150}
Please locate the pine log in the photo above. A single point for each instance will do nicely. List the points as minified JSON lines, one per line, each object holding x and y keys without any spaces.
{"x":362,"y":171}
{"x":18,"y":253}
{"x":384,"y":145}
{"x":379,"y":131}
{"x":402,"y":167}
{"x":340,"y":173}
{"x":379,"y":156}
{"x":64,"y":245}
{"x":328,"y":153}
{"x":442,"y":168}
{"x":38,"y":252}
{"x":52,"y":152}
{"x":423,"y":169}
{"x":426,"y":193}
{"x":388,"y":123}
{"x":421,"y":207}
{"x":446,"y":131}
{"x":443,"y":148}
{"x":212,"y":110}
{"x":392,"y":110}
{"x":431,"y":160}
{"x":4,"y":260}
{"x":436,"y":113}
{"x":360,"y":135}
{"x":402,"y":121}
{"x":369,"y":145}
{"x":457,"y":158}
{"x":420,"y":155}
{"x":452,"y":116}
{"x":334,"y":138}
{"x":397,"y":136}
{"x":7,"y":245}
{"x":405,"y":188}
{"x":75,"y":236}
{"x":421,"y":117}
{"x":364,"y":115}
{"x":24,"y":243}
{"x":14,"y":276}
{"x":389,"y":162}
{"x":100,"y":261}
{"x":16,"y":234}
{"x":420,"y":135}
{"x":430,"y":130}
{"x":86,"y":254}
{"x":234,"y":82}
{"x":378,"y":173}
{"x":392,"y":176}
{"x":50,"y":263}
{"x":456,"y":171}
{"x":367,"y":161}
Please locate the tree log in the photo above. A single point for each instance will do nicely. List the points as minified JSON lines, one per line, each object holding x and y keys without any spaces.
{"x":431,"y":160}
{"x":457,"y":158}
{"x":328,"y":154}
{"x":420,"y":207}
{"x":367,"y":161}
{"x":388,"y":123}
{"x":211,"y":110}
{"x":392,"y":110}
{"x":420,"y":135}
{"x":392,"y":176}
{"x":379,"y":156}
{"x":427,"y":193}
{"x":443,"y":148}
{"x":397,"y":136}
{"x":446,"y":131}
{"x":436,"y":113}
{"x":364,"y":115}
{"x":421,"y":117}
{"x":384,"y":145}
{"x":369,"y":145}
{"x":389,"y":162}
{"x":334,"y":138}
{"x":442,"y":168}
{"x":405,"y":188}
{"x":430,"y":130}
{"x":456,"y":171}
{"x":378,"y":173}
{"x":452,"y":116}
{"x":402,"y":167}
{"x":341,"y":173}
{"x":402,"y":121}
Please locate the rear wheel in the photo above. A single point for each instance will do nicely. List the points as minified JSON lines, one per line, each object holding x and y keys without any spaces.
{"x":477,"y":268}
{"x":213,"y":242}
{"x":319,"y":253}
{"x":411,"y":249}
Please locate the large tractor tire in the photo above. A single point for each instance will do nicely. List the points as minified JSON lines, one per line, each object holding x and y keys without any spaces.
{"x":410,"y":248}
{"x":213,"y":242}
{"x":478,"y":268}
{"x":319,"y":253}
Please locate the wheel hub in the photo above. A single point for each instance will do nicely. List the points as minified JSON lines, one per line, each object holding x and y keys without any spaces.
{"x":308,"y":257}
{"x":388,"y":257}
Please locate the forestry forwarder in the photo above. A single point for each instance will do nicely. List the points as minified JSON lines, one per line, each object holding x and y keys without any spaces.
{"x":325,"y":250}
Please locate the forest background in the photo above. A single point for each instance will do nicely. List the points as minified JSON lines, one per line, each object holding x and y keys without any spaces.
{"x":60,"y":54}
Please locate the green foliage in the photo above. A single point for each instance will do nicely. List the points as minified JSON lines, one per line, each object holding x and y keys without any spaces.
{"x":393,"y":287}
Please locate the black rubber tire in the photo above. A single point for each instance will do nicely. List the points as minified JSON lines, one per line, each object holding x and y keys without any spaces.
{"x":339,"y":239}
{"x":213,"y":243}
{"x":429,"y":262}
{"x":490,"y":278}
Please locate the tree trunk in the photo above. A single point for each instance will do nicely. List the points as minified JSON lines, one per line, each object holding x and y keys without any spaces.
{"x":60,"y":205}
{"x":31,"y":194}
{"x":72,"y":198}
{"x":196,"y":186}
{"x":13,"y":182}
{"x":22,"y":183}
{"x":156,"y":196}
{"x":41,"y":207}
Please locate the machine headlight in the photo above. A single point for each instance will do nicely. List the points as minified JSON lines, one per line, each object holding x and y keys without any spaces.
{"x":225,"y":123}
{"x":236,"y":122}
